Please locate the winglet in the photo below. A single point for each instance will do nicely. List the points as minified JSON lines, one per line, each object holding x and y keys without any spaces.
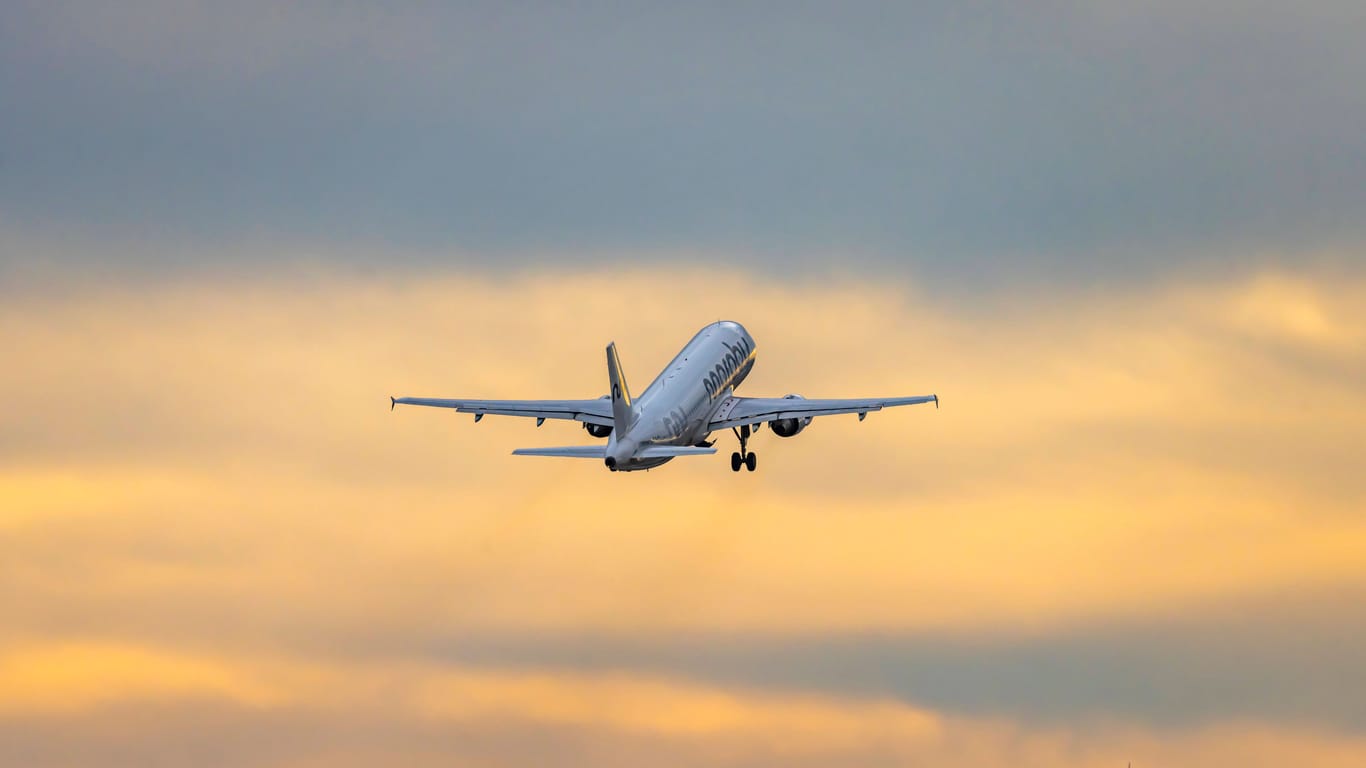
{"x":391,"y":402}
{"x":936,"y":402}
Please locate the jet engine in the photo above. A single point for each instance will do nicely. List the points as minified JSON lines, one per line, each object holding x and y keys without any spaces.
{"x":599,"y":430}
{"x":789,"y":427}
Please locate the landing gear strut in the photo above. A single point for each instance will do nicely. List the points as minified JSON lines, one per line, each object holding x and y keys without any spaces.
{"x":742,"y":456}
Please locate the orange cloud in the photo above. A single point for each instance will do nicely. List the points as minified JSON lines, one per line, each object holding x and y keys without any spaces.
{"x":670,"y":715}
{"x":195,"y":472}
{"x":57,"y":678}
{"x":1045,"y":489}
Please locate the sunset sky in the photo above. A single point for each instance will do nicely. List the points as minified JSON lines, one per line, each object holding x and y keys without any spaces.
{"x":1125,"y":245}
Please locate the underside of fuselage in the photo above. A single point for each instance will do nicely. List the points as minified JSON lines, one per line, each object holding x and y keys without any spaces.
{"x":636,"y":464}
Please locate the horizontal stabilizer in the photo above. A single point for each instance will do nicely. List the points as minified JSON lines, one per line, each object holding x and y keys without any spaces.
{"x":666,"y":451}
{"x":568,"y":451}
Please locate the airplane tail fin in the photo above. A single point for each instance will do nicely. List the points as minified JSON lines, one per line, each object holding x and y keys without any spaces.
{"x":623,"y":414}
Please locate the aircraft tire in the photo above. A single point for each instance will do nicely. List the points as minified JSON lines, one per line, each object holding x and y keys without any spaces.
{"x":751,"y":461}
{"x":735,"y":462}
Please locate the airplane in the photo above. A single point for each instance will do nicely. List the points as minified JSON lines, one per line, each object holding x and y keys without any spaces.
{"x":691,"y":398}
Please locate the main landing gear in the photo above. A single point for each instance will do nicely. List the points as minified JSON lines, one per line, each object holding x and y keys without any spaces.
{"x":742,"y":456}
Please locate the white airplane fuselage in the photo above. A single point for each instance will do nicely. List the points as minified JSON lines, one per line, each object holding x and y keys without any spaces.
{"x":679,"y":404}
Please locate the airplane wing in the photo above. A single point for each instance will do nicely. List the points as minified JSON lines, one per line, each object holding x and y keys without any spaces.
{"x":591,"y":411}
{"x":739,"y":411}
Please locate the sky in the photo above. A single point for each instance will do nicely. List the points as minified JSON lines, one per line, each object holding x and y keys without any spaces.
{"x":1123,"y":243}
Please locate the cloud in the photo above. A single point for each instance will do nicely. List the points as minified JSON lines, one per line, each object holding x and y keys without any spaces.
{"x":1121,"y":243}
{"x":183,"y":707}
{"x":72,"y":678}
{"x":190,"y":401}
{"x":1105,"y":529}
{"x":992,"y":142}
{"x":1287,"y":658}
{"x":1297,"y":312}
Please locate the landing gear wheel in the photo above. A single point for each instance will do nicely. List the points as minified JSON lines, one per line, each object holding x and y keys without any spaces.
{"x":742,"y":456}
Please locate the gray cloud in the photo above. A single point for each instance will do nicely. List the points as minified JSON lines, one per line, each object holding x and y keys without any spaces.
{"x":1055,"y":137}
{"x":1290,"y":657}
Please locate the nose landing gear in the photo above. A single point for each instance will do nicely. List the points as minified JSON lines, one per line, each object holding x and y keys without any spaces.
{"x":742,"y":456}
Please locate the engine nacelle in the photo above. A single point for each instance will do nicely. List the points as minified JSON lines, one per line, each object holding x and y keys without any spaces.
{"x":789,"y":427}
{"x":599,"y":430}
